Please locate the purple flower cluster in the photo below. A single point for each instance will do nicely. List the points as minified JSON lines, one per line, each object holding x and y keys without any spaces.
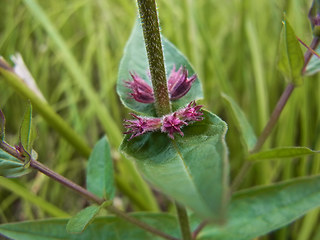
{"x":170,"y":124}
{"x":178,"y":85}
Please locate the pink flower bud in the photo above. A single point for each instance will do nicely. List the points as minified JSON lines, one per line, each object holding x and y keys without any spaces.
{"x":191,"y":112}
{"x":172,"y":124}
{"x":141,"y":125}
{"x":141,"y":91}
{"x":179,"y":84}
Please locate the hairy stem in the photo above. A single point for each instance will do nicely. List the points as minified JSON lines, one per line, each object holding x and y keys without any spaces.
{"x":82,"y":191}
{"x":151,"y":33}
{"x":183,"y":222}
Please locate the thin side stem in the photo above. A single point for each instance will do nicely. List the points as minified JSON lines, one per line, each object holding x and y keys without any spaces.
{"x":151,"y":33}
{"x":308,"y":54}
{"x":264,"y":135}
{"x":183,"y":222}
{"x":240,"y":176}
{"x":66,"y":182}
{"x":45,"y":110}
{"x":198,"y":229}
{"x":144,"y":199}
{"x":82,"y":191}
{"x":140,"y":224}
{"x":274,"y":117}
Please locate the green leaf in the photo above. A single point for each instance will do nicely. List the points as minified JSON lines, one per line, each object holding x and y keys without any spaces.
{"x":100,"y":180}
{"x":2,"y":126}
{"x":135,"y":60}
{"x":192,"y":169}
{"x":102,"y":228}
{"x":247,"y":133}
{"x":25,"y":194}
{"x":27,"y":132}
{"x":11,"y":167}
{"x":291,"y":59}
{"x":282,"y":152}
{"x":82,"y":219}
{"x":256,"y":212}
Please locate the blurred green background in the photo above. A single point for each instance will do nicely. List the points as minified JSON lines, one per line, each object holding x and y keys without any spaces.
{"x":233,"y":46}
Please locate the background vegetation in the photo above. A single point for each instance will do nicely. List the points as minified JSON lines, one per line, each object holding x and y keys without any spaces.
{"x":233,"y":46}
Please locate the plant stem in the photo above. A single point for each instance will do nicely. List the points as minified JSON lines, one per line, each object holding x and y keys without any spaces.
{"x":45,"y":110}
{"x":308,"y":54}
{"x":144,"y":199}
{"x":199,"y":228}
{"x":241,"y":175}
{"x":151,"y":33}
{"x":274,"y":117}
{"x":183,"y":221}
{"x":138,"y":223}
{"x":264,"y":135}
{"x":82,"y":191}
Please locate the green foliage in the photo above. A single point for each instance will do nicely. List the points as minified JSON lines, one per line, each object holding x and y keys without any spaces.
{"x":257,"y":211}
{"x":135,"y":60}
{"x":11,"y":167}
{"x":247,"y":133}
{"x":282,"y":152}
{"x":291,"y":61}
{"x":82,"y":219}
{"x":192,"y":169}
{"x":102,"y":228}
{"x":2,"y":126}
{"x":27,"y":131}
{"x":30,"y":197}
{"x":219,"y":53}
{"x":100,"y":177}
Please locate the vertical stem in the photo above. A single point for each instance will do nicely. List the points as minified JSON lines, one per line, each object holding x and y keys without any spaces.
{"x":183,"y":222}
{"x":151,"y":32}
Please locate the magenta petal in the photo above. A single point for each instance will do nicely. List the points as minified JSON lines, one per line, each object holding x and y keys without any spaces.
{"x":140,"y":90}
{"x":179,"y":84}
{"x":192,"y":112}
{"x":141,"y":125}
{"x":172,"y":124}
